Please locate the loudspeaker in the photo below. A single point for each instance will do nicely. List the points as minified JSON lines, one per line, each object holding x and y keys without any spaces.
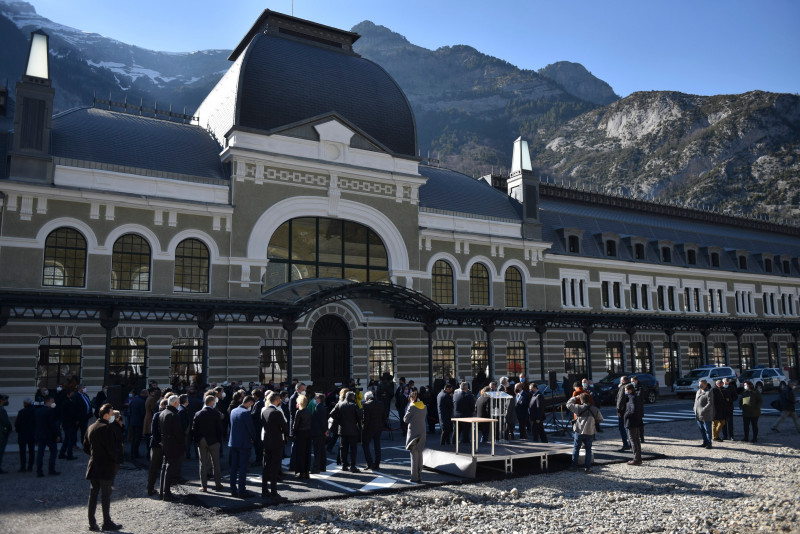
{"x":551,"y":377}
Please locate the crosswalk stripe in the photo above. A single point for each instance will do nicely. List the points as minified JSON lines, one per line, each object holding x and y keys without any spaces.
{"x":378,"y":483}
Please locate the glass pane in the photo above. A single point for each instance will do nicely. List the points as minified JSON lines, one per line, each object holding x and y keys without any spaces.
{"x":279,"y":244}
{"x":377,"y":252}
{"x":330,"y":241}
{"x":304,"y":239}
{"x":328,"y":271}
{"x":379,"y":275}
{"x":277,"y":273}
{"x":300,"y":271}
{"x":356,"y":275}
{"x":355,"y":244}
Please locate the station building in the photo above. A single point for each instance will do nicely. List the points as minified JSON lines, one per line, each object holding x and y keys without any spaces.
{"x":289,"y":229}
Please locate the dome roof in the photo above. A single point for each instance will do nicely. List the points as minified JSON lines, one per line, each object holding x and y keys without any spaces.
{"x":286,"y":80}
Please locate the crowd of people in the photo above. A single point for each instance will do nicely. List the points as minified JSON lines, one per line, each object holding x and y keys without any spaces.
{"x":268,"y":423}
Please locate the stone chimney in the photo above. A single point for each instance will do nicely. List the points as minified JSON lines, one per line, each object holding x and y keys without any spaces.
{"x":30,"y":158}
{"x":523,"y":185}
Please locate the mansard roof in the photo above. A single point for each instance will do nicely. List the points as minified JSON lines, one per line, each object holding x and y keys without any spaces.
{"x":451,"y":192}
{"x":127,"y":143}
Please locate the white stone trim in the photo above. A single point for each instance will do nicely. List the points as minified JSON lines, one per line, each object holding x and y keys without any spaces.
{"x":92,"y":246}
{"x":208,"y":241}
{"x":155,"y":246}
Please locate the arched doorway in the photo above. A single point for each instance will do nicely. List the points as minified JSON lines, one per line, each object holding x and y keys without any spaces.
{"x":330,"y":353}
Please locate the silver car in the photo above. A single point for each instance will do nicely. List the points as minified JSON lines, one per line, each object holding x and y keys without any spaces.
{"x":688,"y":384}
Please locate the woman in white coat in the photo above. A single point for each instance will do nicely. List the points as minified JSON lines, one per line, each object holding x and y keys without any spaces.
{"x":416,"y":418}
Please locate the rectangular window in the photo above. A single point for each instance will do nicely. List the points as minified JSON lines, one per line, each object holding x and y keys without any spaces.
{"x":645,"y":297}
{"x":479,"y":360}
{"x":695,"y":355}
{"x":638,"y":251}
{"x":575,"y":357}
{"x":635,"y":296}
{"x":671,"y":298}
{"x":59,"y":362}
{"x":516,"y":359}
{"x":127,"y":366}
{"x":604,"y":294}
{"x":773,"y":353}
{"x":691,"y":257}
{"x":613,"y":357}
{"x":272,"y":362}
{"x":747,"y":358}
{"x":444,"y":360}
{"x":644,"y":356}
{"x":660,"y":296}
{"x":381,"y":359}
{"x":186,"y":362}
{"x":720,"y":354}
{"x":617,"y":295}
{"x":670,"y":356}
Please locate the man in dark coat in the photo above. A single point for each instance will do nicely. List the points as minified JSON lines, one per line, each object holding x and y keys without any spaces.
{"x":85,"y":411}
{"x":26,"y":436}
{"x":374,"y":423}
{"x":622,"y":400}
{"x":172,"y":435}
{"x":194,"y":405}
{"x":319,"y":433}
{"x":521,"y":409}
{"x":136,"y":412}
{"x":156,"y":453}
{"x":208,"y":432}
{"x":730,"y":394}
{"x":276,"y":432}
{"x":720,"y":410}
{"x":463,"y":406}
{"x":70,"y":409}
{"x":299,"y":389}
{"x":483,"y":408}
{"x":241,"y":442}
{"x":536,"y":413}
{"x":348,"y":415}
{"x":47,"y":436}
{"x":255,"y":412}
{"x":385,"y":391}
{"x":444,"y":405}
{"x":101,"y":443}
{"x":634,"y":422}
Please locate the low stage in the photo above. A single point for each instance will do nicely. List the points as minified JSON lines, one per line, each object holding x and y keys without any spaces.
{"x":443,"y":458}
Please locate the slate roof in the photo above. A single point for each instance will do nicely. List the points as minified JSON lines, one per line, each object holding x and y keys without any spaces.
{"x":451,"y":191}
{"x":126,"y":140}
{"x":556,"y":214}
{"x":285,"y":81}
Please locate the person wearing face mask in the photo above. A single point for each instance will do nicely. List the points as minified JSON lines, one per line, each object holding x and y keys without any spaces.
{"x":156,"y":453}
{"x":634,"y":422}
{"x":787,"y":402}
{"x":208,"y":431}
{"x":47,"y":436}
{"x":704,"y":411}
{"x":101,"y":443}
{"x":750,"y":402}
{"x":720,"y":410}
{"x":730,"y":395}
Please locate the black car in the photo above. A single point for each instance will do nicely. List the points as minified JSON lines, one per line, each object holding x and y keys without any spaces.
{"x":607,"y":387}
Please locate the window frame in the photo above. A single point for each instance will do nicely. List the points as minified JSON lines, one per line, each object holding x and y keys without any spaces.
{"x":194,"y":262}
{"x":480,"y":284}
{"x":135,"y":269}
{"x":58,"y":256}
{"x":514,"y":296}
{"x":442,"y":283}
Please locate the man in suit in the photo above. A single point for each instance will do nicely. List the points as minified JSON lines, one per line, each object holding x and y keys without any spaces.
{"x":151,"y":404}
{"x":275,"y":433}
{"x":463,"y":406}
{"x":156,"y":453}
{"x":255,"y":412}
{"x":634,"y":422}
{"x":85,"y":410}
{"x":299,"y":389}
{"x":319,"y":433}
{"x":374,"y":423}
{"x":169,"y":425}
{"x":241,"y":440}
{"x":444,"y":405}
{"x":71,"y":409}
{"x":483,"y":409}
{"x":136,"y":411}
{"x":101,"y":443}
{"x":47,"y":435}
{"x":348,"y":416}
{"x":194,"y":405}
{"x":208,"y":432}
{"x":26,"y":437}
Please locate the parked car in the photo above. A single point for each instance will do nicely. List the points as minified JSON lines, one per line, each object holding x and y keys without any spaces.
{"x":764,"y":378}
{"x":688,"y":384}
{"x":609,"y":385}
{"x":552,"y":398}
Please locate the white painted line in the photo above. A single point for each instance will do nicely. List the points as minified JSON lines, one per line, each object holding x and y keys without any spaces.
{"x":378,"y":483}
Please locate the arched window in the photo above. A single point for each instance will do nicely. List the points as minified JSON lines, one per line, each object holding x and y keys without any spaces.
{"x":317,"y":247}
{"x":513,"y":288}
{"x":478,"y":285}
{"x":130,"y":263}
{"x":442,"y":282}
{"x":64,"y":259}
{"x":191,"y":267}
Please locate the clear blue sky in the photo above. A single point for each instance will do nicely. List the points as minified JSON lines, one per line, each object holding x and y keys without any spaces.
{"x":694,"y":46}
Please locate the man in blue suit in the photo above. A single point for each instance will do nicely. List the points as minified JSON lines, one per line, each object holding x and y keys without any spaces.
{"x":243,"y":434}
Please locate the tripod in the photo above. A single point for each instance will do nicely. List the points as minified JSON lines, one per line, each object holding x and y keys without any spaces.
{"x":560,"y":424}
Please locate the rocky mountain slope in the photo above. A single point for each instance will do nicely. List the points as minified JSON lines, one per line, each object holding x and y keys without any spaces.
{"x":734,"y":152}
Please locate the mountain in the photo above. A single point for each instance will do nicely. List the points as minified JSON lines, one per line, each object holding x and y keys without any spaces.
{"x":578,"y":81}
{"x":733,"y":152}
{"x":84,"y":63}
{"x":470,"y":106}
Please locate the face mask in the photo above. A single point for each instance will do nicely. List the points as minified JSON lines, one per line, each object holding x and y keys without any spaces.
{"x":585,"y":385}
{"x":746,"y":388}
{"x":53,"y":405}
{"x":726,"y":385}
{"x":46,"y":391}
{"x":112,"y":418}
{"x":130,"y":395}
{"x":59,"y":388}
{"x":223,"y":395}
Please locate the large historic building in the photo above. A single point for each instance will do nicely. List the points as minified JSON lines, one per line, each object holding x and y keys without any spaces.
{"x":289,"y":229}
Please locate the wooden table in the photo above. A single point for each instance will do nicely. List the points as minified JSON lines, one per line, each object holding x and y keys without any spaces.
{"x":474,"y":430}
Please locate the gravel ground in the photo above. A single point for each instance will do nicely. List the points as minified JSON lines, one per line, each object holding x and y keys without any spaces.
{"x":734,"y":487}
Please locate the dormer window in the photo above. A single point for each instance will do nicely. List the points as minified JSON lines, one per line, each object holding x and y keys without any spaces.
{"x":743,"y":262}
{"x":574,"y":244}
{"x":638,"y":251}
{"x":691,"y":257}
{"x":767,"y":265}
{"x":610,"y":243}
{"x":666,"y":254}
{"x":715,"y":259}
{"x":787,"y":266}
{"x":611,"y":248}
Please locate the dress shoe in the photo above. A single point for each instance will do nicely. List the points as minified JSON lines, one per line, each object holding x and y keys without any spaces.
{"x":623,"y":449}
{"x":94,"y":527}
{"x":219,"y":487}
{"x":315,"y":472}
{"x":718,"y":439}
{"x":246,"y":494}
{"x":278,"y":498}
{"x":168,"y":497}
{"x":111,"y":526}
{"x":634,"y":462}
{"x":355,"y":469}
{"x":151,"y":492}
{"x":235,"y":494}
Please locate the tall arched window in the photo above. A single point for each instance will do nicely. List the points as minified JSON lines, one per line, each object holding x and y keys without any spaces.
{"x":478,"y":285}
{"x":130,"y":263}
{"x":318,"y":247}
{"x":191,"y":267}
{"x":64,"y":259}
{"x":442,"y":282}
{"x":513,"y":288}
